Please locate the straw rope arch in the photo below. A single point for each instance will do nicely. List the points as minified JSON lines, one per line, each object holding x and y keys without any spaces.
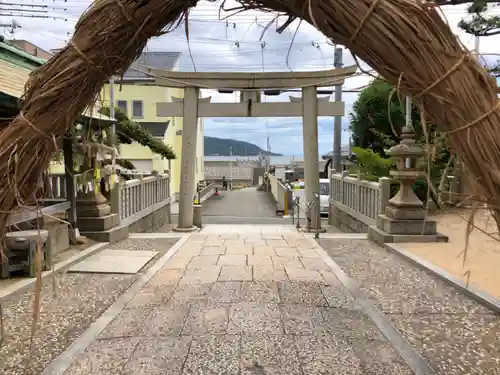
{"x":406,"y":41}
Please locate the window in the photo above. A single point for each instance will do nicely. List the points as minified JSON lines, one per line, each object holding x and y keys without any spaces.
{"x":137,"y":109}
{"x":122,"y":106}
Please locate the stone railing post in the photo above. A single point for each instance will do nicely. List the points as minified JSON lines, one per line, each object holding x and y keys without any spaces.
{"x":343,"y":175}
{"x":142,"y":195}
{"x":384,"y":186}
{"x":115,"y":198}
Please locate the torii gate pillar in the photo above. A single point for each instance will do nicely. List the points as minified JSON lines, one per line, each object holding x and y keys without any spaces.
{"x":311,"y":152}
{"x":188,"y":159}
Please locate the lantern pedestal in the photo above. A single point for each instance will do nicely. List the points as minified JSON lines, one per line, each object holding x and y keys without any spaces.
{"x":404,"y":218}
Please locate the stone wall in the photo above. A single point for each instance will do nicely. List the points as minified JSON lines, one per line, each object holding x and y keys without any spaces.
{"x":346,"y":222}
{"x":153,"y":222}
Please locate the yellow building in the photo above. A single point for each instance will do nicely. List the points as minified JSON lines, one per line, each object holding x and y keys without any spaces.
{"x":136,"y":95}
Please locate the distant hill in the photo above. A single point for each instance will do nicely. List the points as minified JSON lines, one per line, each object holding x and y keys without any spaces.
{"x":220,"y":147}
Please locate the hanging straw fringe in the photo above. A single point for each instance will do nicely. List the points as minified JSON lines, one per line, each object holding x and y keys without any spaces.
{"x":398,"y":38}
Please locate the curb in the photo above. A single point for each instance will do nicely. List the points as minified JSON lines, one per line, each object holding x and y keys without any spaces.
{"x":62,"y":362}
{"x":479,"y":296}
{"x":22,"y":285}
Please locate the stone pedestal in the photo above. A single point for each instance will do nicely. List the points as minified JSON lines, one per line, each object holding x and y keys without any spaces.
{"x":94,"y":216}
{"x":20,"y":252}
{"x":404,"y":218}
{"x":197,"y":215}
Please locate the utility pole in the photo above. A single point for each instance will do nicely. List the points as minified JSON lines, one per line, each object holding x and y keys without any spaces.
{"x":337,"y":128}
{"x":112,"y":115}
{"x":408,"y":124}
{"x":230,"y":167}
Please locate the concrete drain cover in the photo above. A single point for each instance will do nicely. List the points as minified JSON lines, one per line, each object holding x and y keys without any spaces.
{"x":114,"y":261}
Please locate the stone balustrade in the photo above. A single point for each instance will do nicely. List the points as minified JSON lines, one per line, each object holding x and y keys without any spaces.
{"x":355,"y":203}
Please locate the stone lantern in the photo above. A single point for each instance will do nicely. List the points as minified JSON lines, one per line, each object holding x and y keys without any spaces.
{"x":405,"y":204}
{"x":404,"y":217}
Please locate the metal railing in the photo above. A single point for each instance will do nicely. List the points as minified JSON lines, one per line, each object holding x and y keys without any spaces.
{"x":307,"y":209}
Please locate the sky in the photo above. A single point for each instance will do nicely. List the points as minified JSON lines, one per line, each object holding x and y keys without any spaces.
{"x":237,"y":44}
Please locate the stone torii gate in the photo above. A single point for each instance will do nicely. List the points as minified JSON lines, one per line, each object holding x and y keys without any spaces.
{"x":191,"y":107}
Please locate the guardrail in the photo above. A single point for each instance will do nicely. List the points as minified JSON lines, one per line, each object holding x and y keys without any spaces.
{"x":143,"y":194}
{"x":281,"y":194}
{"x":363,"y":200}
{"x":206,"y":193}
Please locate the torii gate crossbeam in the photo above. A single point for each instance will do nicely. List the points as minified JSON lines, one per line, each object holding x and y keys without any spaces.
{"x":191,"y":107}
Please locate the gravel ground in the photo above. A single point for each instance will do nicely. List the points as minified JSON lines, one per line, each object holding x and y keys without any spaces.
{"x":81,"y":299}
{"x":455,"y":334}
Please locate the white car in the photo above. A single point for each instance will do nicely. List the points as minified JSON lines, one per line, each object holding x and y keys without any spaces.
{"x":324,"y":195}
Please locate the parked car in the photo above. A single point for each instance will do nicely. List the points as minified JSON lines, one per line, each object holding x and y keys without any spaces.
{"x":324,"y":195}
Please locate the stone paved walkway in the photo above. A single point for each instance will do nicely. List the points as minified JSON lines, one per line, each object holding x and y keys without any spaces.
{"x":242,"y":300}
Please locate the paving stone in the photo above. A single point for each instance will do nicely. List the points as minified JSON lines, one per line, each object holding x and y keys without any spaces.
{"x":255,"y":317}
{"x":263,"y":250}
{"x":232,"y":260}
{"x":213,"y":250}
{"x":286,"y":251}
{"x":261,"y":273}
{"x":207,"y":275}
{"x":270,"y":236}
{"x":315,"y":264}
{"x":186,"y":294}
{"x":260,"y":291}
{"x":158,"y":356}
{"x":276,"y":243}
{"x":330,"y":277}
{"x":206,"y":317}
{"x":197,"y":238}
{"x":189,"y":250}
{"x":297,"y":274}
{"x":127,"y":323}
{"x":240,"y":249}
{"x":177,"y":263}
{"x":256,"y":241}
{"x":260,"y":260}
{"x":226,"y":292}
{"x":323,"y":353}
{"x":338,"y":296}
{"x":165,"y":278}
{"x":103,"y":357}
{"x":308,"y":253}
{"x":203,"y":261}
{"x":228,"y":236}
{"x":236,"y":273}
{"x":301,"y":293}
{"x":269,"y":355}
{"x":283,"y":262}
{"x":213,"y":242}
{"x":301,"y":319}
{"x":234,"y":242}
{"x":351,"y":324}
{"x":214,"y":355}
{"x":301,"y":244}
{"x":150,"y":296}
{"x":165,"y":321}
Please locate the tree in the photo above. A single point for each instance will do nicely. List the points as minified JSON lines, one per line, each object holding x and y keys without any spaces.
{"x":479,"y":23}
{"x":371,"y":117}
{"x":371,"y":127}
